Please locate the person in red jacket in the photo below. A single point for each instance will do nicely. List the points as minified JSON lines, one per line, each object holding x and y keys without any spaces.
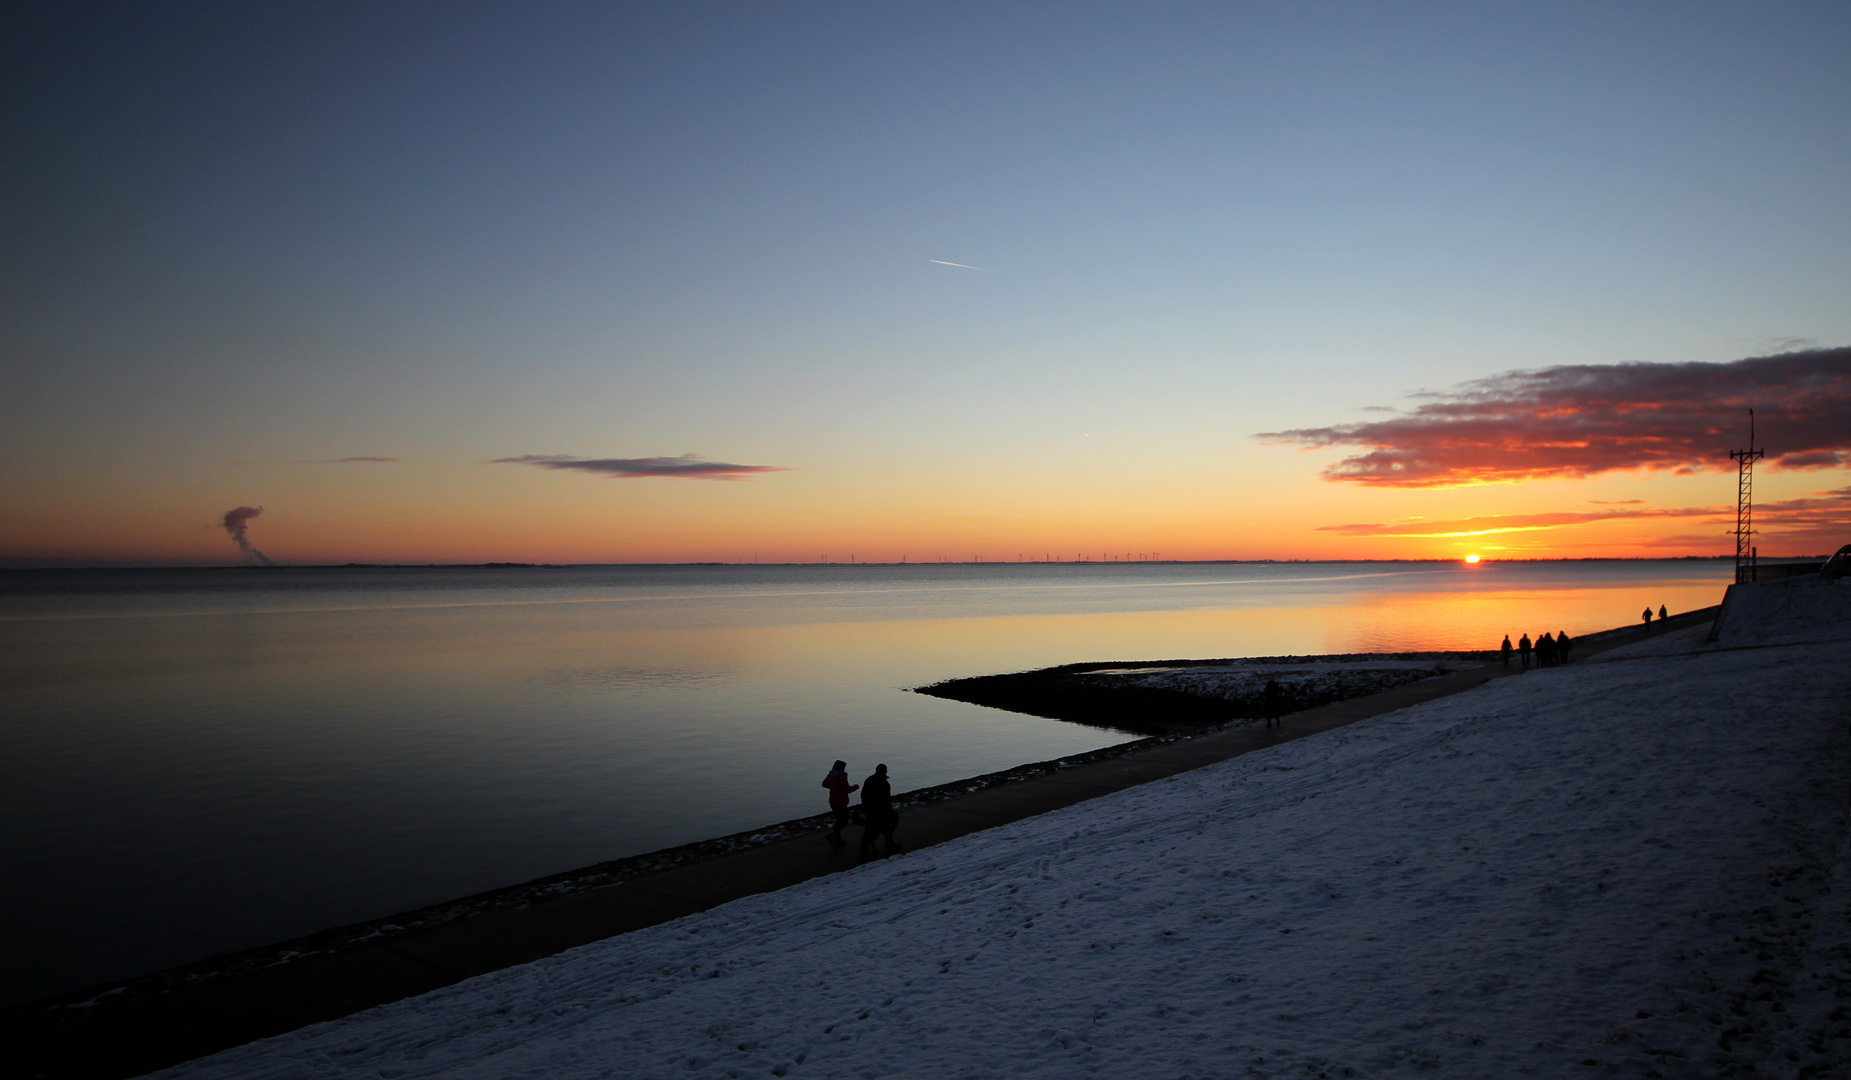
{"x":839,"y":787}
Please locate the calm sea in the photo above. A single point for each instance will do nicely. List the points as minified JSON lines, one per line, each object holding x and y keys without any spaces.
{"x":197,"y":761}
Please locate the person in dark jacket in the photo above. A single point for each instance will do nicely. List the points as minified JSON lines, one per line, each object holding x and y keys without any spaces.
{"x":1662,"y":613}
{"x":1647,"y":616}
{"x":877,"y":809}
{"x":1505,"y":650}
{"x":839,"y":788}
{"x":1545,"y":650}
{"x":1270,"y":699}
{"x":1523,"y":650}
{"x":1561,"y":646}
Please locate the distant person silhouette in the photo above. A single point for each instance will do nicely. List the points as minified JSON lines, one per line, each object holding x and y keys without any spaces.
{"x":1269,"y":701}
{"x":1545,"y":650}
{"x":1505,"y":650}
{"x":1561,"y":646}
{"x":839,"y":788}
{"x":1661,"y":613}
{"x":1523,"y":650}
{"x":877,"y":808}
{"x":1647,"y":616}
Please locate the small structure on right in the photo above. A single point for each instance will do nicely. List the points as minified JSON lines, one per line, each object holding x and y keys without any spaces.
{"x":1745,"y":504}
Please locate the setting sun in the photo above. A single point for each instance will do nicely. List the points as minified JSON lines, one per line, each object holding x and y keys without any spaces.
{"x":1471,"y":558}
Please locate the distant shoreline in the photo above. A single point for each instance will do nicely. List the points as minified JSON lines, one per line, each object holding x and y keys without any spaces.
{"x":78,"y":566}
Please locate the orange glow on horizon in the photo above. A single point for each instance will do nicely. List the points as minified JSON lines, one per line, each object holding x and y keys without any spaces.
{"x":473,"y":513}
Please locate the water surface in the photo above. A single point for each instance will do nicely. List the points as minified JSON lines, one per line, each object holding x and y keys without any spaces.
{"x":193,"y":762}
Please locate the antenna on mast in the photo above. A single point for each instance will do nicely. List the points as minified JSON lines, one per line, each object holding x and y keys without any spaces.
{"x":1745,"y":504}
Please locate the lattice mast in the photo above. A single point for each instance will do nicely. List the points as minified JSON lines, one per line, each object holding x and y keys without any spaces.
{"x":1745,"y":503}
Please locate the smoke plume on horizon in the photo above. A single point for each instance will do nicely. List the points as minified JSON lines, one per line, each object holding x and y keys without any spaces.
{"x":236,"y":521}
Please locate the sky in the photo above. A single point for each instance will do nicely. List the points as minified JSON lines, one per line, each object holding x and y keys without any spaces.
{"x":460,"y":282}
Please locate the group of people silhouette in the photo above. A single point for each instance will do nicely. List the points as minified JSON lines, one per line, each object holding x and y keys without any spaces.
{"x":878,"y":819}
{"x":875,"y":815}
{"x":1550,"y":649}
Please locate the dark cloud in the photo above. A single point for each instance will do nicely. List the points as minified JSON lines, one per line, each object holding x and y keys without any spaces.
{"x":1815,"y":459}
{"x":687,"y":466}
{"x":236,"y":521}
{"x":1589,"y":419}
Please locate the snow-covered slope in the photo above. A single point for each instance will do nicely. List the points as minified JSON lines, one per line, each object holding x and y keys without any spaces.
{"x":1633,"y":867}
{"x":1793,"y":609}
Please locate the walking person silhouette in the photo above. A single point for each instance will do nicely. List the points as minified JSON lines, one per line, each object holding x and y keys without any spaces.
{"x":1523,"y":650}
{"x":877,"y":809}
{"x":1504,"y":650}
{"x":839,"y":788}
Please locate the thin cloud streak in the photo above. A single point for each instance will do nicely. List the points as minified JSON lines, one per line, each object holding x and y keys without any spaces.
{"x":347,"y":460}
{"x":1587,"y":419}
{"x":1502,"y":523}
{"x":961,"y":266}
{"x":1818,"y":513}
{"x":686,"y":467}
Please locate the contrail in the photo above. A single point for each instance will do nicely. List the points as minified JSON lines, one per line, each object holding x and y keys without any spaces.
{"x":961,"y":266}
{"x":236,"y":521}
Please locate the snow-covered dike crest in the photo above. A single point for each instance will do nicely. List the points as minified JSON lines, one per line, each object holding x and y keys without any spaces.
{"x":1632,"y":867}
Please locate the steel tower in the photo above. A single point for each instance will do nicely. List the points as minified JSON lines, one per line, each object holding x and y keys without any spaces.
{"x":1745,"y":503}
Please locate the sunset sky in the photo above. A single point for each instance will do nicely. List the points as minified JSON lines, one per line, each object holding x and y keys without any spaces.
{"x":623,"y":282}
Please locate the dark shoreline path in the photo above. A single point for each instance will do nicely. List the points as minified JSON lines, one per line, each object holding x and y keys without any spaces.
{"x":165,"y":1019}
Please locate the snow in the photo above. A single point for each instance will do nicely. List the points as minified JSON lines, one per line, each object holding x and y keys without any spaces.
{"x":1632,"y":867}
{"x":1794,"y":609}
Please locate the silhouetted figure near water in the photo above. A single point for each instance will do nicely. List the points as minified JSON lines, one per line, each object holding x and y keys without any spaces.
{"x":1545,"y":650}
{"x":1505,"y":650}
{"x":1561,"y":646}
{"x":839,"y":787}
{"x":877,"y":808}
{"x":1647,"y":616}
{"x":1269,"y":702}
{"x":1523,"y":650}
{"x":1662,"y":616}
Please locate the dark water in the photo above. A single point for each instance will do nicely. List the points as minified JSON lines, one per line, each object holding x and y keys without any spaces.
{"x":193,"y":762}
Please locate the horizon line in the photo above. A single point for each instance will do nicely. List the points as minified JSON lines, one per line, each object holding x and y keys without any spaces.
{"x":511,"y":565}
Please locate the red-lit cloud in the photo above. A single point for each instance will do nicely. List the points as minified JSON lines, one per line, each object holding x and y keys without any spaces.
{"x":1589,"y":419}
{"x":687,"y":466}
